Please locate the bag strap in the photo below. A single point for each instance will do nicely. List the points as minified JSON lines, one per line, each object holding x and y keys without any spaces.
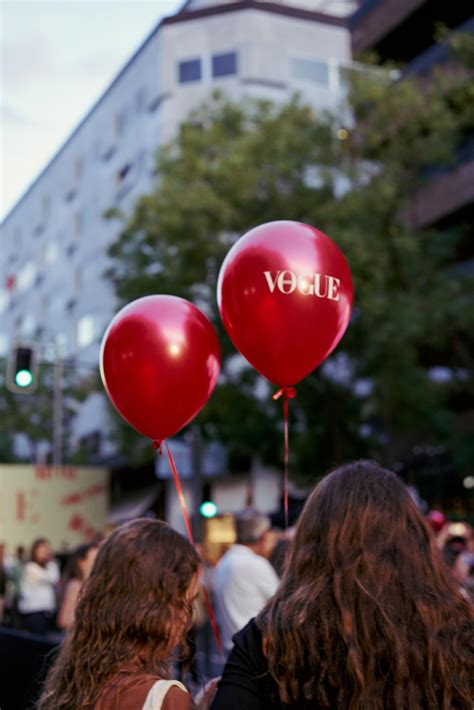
{"x":157,"y":693}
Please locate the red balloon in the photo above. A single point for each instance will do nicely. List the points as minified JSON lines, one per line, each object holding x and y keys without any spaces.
{"x":285,"y":296}
{"x":437,"y":520}
{"x":159,"y":363}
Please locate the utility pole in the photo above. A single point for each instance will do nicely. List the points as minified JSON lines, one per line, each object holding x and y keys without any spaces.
{"x":58,"y":407}
{"x":196,"y":478}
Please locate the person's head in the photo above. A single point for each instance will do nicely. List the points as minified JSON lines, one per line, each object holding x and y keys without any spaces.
{"x":135,"y":608}
{"x":251,"y":529}
{"x":41,"y":551}
{"x":81,"y":562}
{"x":456,"y":558}
{"x":279,"y":554}
{"x":367,"y":614}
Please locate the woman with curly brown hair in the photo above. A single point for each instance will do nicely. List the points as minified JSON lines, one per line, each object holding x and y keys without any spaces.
{"x":367,"y":616}
{"x":133,"y":611}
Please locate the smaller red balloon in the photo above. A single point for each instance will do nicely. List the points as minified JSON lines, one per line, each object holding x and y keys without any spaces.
{"x":159,"y":363}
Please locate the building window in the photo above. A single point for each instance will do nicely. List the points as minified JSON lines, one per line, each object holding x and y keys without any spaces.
{"x":108,"y":154}
{"x":85,"y":331}
{"x":27,"y":276}
{"x":224,"y":64}
{"x":123,"y":172}
{"x":190,"y":71}
{"x":51,"y":253}
{"x":120,"y":123}
{"x":310,"y":70}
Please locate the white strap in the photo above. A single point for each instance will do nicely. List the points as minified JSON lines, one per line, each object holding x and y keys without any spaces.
{"x":157,"y":693}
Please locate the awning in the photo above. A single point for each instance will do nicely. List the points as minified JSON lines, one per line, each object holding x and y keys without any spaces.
{"x":133,"y":506}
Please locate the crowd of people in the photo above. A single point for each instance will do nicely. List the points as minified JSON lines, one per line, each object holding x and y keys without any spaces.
{"x":367,"y":604}
{"x":36,"y":597}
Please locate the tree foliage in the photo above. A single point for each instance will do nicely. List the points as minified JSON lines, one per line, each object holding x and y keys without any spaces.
{"x":233,"y":166}
{"x":32,"y":415}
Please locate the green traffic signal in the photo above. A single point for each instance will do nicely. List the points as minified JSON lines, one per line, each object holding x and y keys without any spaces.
{"x":22,"y":368}
{"x":208,"y":509}
{"x":23,"y":378}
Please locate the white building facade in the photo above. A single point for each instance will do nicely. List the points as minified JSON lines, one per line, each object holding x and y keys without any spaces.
{"x":54,"y":241}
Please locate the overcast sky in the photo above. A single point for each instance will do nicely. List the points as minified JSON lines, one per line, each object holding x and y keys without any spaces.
{"x":57,"y":57}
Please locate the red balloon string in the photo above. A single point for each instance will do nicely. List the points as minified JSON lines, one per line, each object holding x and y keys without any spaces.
{"x":288,"y":393}
{"x":285,"y":491}
{"x":181,"y":498}
{"x":189,"y":531}
{"x":212,"y":619}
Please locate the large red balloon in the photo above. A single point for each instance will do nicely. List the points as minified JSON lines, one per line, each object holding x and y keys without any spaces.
{"x":285,"y":296}
{"x":159,"y":363}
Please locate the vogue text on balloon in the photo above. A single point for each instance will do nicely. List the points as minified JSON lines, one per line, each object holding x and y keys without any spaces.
{"x":307,"y":285}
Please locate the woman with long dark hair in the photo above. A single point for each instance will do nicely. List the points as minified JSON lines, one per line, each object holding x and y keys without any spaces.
{"x":367,"y":616}
{"x":134,"y":610}
{"x":78,"y":568}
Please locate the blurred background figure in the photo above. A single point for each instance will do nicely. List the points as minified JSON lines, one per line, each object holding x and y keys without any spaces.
{"x":201,"y":636}
{"x":13,"y":567}
{"x":37,"y":602}
{"x":456,"y":544}
{"x":78,"y":569}
{"x":3,"y":581}
{"x":244,"y":580}
{"x":279,"y":555}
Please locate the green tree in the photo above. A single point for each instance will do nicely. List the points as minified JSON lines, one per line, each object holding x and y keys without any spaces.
{"x":32,"y":415}
{"x":233,"y":166}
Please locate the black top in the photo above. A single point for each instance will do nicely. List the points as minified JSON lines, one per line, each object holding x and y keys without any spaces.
{"x":246,"y":683}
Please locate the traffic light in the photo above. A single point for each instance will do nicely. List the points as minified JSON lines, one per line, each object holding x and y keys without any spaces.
{"x":208,"y":509}
{"x":22,"y":370}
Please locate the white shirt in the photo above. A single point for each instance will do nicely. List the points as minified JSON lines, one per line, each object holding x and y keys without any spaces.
{"x":37,"y":588}
{"x":244,"y":582}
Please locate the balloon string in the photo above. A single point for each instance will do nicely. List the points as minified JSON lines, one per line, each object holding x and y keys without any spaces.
{"x":288,"y":393}
{"x":181,"y":498}
{"x":212,"y":619}
{"x":189,"y":531}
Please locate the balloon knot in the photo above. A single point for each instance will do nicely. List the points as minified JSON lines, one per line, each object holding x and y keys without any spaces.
{"x":286,"y":392}
{"x":156,"y":444}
